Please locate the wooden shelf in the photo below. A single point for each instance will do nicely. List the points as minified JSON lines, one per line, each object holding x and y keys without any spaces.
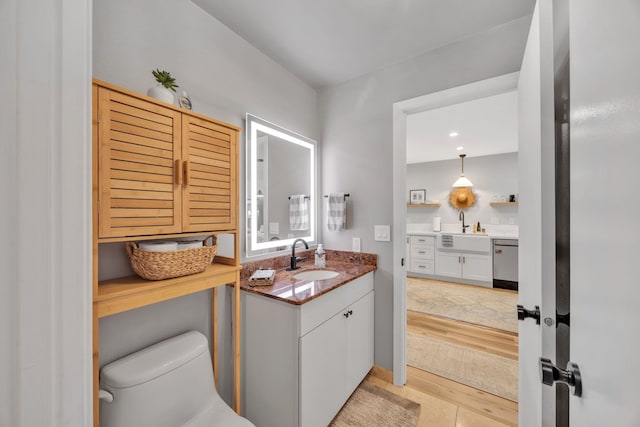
{"x":126,"y":293}
{"x":504,"y":203}
{"x":423,"y":205}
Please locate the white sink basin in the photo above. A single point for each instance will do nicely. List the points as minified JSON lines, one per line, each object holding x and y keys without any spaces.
{"x":316,"y":275}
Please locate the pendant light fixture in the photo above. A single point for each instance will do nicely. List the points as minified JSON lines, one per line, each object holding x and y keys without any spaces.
{"x":462,"y":181}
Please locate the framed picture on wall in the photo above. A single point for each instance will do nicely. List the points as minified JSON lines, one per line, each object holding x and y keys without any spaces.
{"x":417,"y":197}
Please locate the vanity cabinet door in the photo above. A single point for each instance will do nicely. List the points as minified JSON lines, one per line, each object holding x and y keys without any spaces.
{"x":360,"y":340}
{"x":138,"y":151}
{"x":323,"y":372}
{"x":210,"y":177}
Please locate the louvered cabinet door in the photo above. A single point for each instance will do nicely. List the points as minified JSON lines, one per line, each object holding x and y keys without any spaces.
{"x":210,"y":191}
{"x":139,"y":167}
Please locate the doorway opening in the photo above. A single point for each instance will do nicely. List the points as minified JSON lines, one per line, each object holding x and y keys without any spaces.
{"x":447,"y":322}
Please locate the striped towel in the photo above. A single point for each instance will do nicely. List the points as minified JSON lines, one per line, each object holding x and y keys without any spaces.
{"x":298,"y":213}
{"x":337,"y":212}
{"x":447,"y":240}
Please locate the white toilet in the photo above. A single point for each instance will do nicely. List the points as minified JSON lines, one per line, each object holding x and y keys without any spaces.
{"x":169,"y":384}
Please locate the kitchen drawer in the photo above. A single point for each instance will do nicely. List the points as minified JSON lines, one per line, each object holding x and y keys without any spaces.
{"x":421,"y":266}
{"x":423,"y":241}
{"x":422,"y":253}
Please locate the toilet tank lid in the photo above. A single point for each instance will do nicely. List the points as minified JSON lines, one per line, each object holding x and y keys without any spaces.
{"x":153,"y":361}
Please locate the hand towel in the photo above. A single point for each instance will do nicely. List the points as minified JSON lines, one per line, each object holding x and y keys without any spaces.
{"x":337,"y":212}
{"x":298,"y":213}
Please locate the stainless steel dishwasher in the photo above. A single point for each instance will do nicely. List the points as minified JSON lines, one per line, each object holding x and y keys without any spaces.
{"x":505,"y":264}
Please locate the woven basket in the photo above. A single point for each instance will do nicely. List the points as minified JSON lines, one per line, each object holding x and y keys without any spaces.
{"x":160,"y":265}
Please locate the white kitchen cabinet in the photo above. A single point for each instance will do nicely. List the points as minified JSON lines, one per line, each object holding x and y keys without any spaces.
{"x":421,"y":254}
{"x":448,"y":264}
{"x":302,"y":362}
{"x":464,"y":265}
{"x":477,"y":267}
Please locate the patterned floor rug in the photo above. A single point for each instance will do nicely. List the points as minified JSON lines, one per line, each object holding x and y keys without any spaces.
{"x":371,"y":405}
{"x":467,"y":303}
{"x":488,"y":372}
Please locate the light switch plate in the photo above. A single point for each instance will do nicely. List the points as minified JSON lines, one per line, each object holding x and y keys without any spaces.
{"x":382,"y":233}
{"x":355,"y":244}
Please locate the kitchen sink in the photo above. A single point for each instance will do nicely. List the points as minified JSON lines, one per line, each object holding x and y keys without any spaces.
{"x":464,"y":242}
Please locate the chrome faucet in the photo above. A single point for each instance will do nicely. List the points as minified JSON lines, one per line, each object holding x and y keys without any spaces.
{"x":294,"y":258}
{"x":461,"y":217}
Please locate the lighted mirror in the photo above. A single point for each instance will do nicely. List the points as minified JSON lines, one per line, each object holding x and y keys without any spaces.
{"x":281,"y":187}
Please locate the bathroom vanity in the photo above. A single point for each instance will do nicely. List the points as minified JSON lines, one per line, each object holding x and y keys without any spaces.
{"x":307,"y":345}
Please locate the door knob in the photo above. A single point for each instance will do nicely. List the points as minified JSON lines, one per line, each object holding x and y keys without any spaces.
{"x":571,"y":376}
{"x":523,"y":313}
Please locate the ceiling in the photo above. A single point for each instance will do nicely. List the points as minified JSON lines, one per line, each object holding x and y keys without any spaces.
{"x":484,"y":126}
{"x":329,"y":42}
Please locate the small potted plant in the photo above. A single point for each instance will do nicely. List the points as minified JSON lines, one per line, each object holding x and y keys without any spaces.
{"x":166,"y":84}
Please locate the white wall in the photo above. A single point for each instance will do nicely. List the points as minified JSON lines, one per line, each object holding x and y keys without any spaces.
{"x":45,"y":224}
{"x":356,"y":122}
{"x":225,"y":77}
{"x":491,"y":176}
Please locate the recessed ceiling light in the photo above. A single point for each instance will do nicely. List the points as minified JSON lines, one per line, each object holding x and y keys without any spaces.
{"x":453,"y":134}
{"x":460,"y":148}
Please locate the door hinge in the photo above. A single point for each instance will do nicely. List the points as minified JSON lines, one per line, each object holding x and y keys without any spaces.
{"x":563,"y":318}
{"x":550,"y":374}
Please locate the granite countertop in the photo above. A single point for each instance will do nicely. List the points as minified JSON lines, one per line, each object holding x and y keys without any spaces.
{"x":288,"y":289}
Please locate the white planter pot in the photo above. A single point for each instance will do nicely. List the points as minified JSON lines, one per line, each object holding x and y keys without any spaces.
{"x":161,"y":93}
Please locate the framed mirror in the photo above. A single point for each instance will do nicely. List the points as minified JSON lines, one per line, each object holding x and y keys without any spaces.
{"x":280,"y":187}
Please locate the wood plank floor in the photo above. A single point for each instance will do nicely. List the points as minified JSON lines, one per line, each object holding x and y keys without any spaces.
{"x":446,"y":403}
{"x":501,"y":343}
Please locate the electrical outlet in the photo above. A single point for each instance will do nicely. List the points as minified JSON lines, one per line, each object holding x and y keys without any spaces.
{"x":274,"y":228}
{"x":355,"y":244}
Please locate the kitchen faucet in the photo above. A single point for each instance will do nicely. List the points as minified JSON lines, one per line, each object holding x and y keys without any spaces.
{"x":294,"y":259}
{"x":461,"y":217}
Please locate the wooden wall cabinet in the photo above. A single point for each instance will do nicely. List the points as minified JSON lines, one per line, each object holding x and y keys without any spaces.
{"x":161,"y":172}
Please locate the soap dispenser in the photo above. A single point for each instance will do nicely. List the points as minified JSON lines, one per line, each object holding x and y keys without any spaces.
{"x":321,"y":260}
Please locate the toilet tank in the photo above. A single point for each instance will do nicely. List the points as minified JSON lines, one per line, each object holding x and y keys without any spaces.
{"x":161,"y":385}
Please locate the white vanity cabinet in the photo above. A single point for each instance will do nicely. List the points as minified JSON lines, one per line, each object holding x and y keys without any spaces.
{"x":302,"y":362}
{"x":421,"y":254}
